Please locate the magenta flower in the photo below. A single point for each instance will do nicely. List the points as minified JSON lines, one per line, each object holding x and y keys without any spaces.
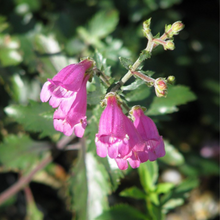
{"x":138,"y":153}
{"x":67,"y":91}
{"x":149,"y":133}
{"x":65,"y":83}
{"x":71,"y":115}
{"x":112,"y":138}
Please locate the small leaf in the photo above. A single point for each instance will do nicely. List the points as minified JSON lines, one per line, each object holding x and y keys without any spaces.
{"x":142,"y":92}
{"x":134,"y":85}
{"x":172,"y":157}
{"x":125,"y":62}
{"x":144,"y":55}
{"x":172,"y":203}
{"x":122,"y":212}
{"x":148,"y":173}
{"x":95,"y":97}
{"x":179,"y":192}
{"x":36,"y":117}
{"x":20,"y":152}
{"x":164,"y":187}
{"x":177,"y":95}
{"x":133,"y":192}
{"x":103,"y":23}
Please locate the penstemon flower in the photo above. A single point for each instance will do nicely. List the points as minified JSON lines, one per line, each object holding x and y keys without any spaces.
{"x":71,"y":114}
{"x":138,"y":153}
{"x":67,"y":91}
{"x":149,"y":133}
{"x":112,"y":138}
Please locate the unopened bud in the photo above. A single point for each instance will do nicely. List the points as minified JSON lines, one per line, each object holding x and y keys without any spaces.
{"x":146,"y":26}
{"x":169,"y":45}
{"x":177,"y":27}
{"x":171,"y":79}
{"x":160,"y":87}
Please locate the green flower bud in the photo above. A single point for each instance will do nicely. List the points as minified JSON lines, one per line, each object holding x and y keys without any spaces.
{"x":177,"y":27}
{"x":171,"y":79}
{"x":169,"y":45}
{"x":146,"y":26}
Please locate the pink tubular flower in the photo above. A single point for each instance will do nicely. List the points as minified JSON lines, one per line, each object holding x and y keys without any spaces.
{"x":67,"y":91}
{"x":65,"y":83}
{"x":71,"y":114}
{"x":138,"y":153}
{"x":112,"y":138}
{"x":149,"y":133}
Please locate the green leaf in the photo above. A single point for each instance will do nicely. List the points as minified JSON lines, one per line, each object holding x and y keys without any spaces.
{"x":134,"y":85}
{"x":122,"y":212}
{"x":142,"y":92}
{"x":49,"y":52}
{"x":35,"y":117}
{"x":24,"y":89}
{"x":144,"y":55}
{"x":133,"y":192}
{"x":10,"y":57}
{"x":164,"y":187}
{"x":103,"y":23}
{"x":177,"y":95}
{"x":98,"y":187}
{"x":89,"y":186}
{"x":20,"y":152}
{"x":148,"y":173}
{"x":95,"y":97}
{"x":172,"y":157}
{"x":178,"y":193}
{"x":125,"y":62}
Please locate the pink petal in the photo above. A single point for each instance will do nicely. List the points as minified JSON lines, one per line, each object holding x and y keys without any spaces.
{"x":134,"y":160}
{"x":122,"y":164}
{"x":55,"y":102}
{"x":45,"y":92}
{"x":79,"y":129}
{"x":101,"y":148}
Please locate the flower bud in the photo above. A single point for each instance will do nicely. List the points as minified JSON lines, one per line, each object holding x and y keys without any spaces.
{"x":169,"y":45}
{"x":171,"y":79}
{"x":160,"y":87}
{"x":146,"y":26}
{"x":177,"y":27}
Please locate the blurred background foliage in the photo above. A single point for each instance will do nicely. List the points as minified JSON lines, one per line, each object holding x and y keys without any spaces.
{"x":40,"y":37}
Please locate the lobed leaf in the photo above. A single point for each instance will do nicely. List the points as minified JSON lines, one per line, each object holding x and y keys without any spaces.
{"x":35,"y":117}
{"x":20,"y":152}
{"x":177,"y":95}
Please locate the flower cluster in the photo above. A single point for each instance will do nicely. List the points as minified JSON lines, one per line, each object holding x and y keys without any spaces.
{"x":119,"y":137}
{"x":123,"y":140}
{"x":67,"y":92}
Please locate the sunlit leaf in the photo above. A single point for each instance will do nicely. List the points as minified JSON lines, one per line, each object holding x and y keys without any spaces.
{"x":89,"y":186}
{"x":125,"y":62}
{"x":164,"y":187}
{"x":133,"y":192}
{"x":174,"y":197}
{"x":177,"y":95}
{"x":21,"y":152}
{"x":103,"y":23}
{"x":35,"y":117}
{"x":148,"y":173}
{"x":140,"y":93}
{"x":172,"y":157}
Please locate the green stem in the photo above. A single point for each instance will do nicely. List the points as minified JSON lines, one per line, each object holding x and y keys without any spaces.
{"x":129,"y":74}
